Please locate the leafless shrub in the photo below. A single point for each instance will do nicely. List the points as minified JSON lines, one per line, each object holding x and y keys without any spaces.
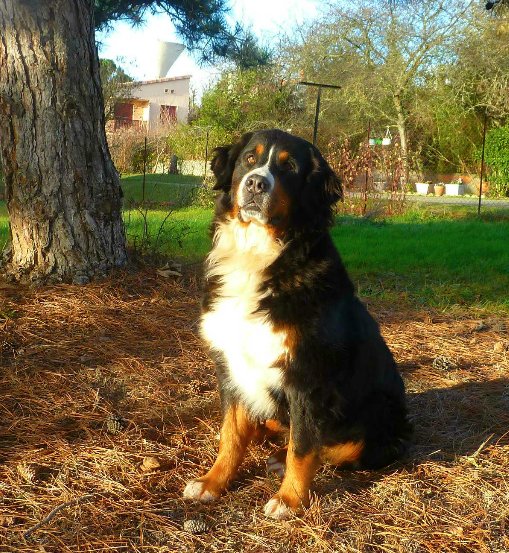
{"x":371,"y":177}
{"x":127,"y":148}
{"x":155,"y":231}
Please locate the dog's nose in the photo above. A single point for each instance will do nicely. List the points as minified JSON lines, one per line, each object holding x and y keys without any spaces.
{"x":257,"y":184}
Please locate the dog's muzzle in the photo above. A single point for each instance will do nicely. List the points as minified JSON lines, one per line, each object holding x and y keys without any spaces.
{"x":254,"y":198}
{"x":257,"y":184}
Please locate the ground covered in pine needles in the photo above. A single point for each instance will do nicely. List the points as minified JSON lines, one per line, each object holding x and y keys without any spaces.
{"x":109,"y":406}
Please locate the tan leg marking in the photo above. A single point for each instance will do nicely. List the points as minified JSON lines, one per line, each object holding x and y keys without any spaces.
{"x":293,"y":495}
{"x":349,"y":452}
{"x":237,"y":431}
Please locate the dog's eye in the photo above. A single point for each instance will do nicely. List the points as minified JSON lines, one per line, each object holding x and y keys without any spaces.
{"x":289,"y":165}
{"x":250,"y":159}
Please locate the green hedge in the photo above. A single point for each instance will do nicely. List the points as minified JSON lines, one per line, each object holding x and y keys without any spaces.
{"x":190,"y":141}
{"x":497,"y":159}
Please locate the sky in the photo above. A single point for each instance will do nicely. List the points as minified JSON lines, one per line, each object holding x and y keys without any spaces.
{"x":132,"y":48}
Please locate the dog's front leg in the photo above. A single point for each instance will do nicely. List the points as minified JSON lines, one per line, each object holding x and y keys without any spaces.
{"x":302,"y":463}
{"x":237,"y":431}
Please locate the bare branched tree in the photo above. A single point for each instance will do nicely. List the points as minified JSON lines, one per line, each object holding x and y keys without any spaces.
{"x":399,"y":44}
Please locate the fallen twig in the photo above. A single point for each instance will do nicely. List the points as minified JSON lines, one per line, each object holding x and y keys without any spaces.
{"x":56,"y":510}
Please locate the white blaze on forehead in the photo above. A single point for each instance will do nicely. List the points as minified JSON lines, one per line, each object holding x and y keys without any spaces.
{"x":263,"y":171}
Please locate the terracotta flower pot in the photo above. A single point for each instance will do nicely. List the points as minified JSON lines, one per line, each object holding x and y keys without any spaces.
{"x":439,"y":189}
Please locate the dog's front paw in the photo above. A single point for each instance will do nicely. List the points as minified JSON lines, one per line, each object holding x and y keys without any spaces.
{"x":201,"y":490}
{"x":277,"y":509}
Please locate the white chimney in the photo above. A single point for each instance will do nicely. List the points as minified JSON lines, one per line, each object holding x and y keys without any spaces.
{"x":165,"y":55}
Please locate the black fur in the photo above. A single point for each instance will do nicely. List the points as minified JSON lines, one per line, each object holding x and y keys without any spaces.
{"x":342,"y":384}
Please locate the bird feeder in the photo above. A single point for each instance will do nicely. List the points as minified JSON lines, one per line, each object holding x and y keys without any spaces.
{"x":387,"y":139}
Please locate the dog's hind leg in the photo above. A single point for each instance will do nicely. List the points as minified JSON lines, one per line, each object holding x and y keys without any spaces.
{"x":237,"y":431}
{"x":293,"y":495}
{"x":270,"y":429}
{"x":347,"y":453}
{"x":276,"y":463}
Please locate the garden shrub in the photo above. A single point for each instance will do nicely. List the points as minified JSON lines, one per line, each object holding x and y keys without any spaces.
{"x":190,"y":141}
{"x":496,"y":157}
{"x":204,"y":196}
{"x":127,"y":150}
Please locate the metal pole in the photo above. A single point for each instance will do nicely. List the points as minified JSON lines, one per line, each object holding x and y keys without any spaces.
{"x":482,"y":159}
{"x":320,"y":86}
{"x":365,"y":205}
{"x":144,"y":171}
{"x":206,"y":154}
{"x":317,"y":112}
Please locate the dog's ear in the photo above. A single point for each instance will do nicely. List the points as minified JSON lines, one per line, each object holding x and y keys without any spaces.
{"x":322,"y":189}
{"x":323,"y":180}
{"x":219,"y":165}
{"x":223,"y":162}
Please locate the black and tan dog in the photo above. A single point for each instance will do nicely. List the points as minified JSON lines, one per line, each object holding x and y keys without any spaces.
{"x":293,"y":345}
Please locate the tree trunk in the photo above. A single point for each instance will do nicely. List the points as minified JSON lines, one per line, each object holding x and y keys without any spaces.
{"x":62,"y":191}
{"x":401,"y":122}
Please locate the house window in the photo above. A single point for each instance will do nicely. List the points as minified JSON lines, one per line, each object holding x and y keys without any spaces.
{"x":171,"y":91}
{"x":168,"y":114}
{"x":123,"y":113}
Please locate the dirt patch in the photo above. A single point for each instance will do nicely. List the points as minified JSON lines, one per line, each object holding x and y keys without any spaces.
{"x":109,"y":406}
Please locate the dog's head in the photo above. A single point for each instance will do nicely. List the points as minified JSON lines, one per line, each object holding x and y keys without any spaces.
{"x":276,"y":179}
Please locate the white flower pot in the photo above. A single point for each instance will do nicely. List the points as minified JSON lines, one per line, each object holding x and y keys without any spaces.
{"x":422,"y":187}
{"x":454,"y":189}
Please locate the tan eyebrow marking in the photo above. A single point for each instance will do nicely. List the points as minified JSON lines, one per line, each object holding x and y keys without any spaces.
{"x":283,"y":156}
{"x":259,"y":149}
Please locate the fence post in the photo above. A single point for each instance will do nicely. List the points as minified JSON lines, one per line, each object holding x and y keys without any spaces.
{"x":482,"y":159}
{"x":368,"y":161}
{"x":144,"y":171}
{"x":206,"y":155}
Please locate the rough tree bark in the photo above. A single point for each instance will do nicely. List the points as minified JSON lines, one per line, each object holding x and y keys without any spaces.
{"x":62,"y":191}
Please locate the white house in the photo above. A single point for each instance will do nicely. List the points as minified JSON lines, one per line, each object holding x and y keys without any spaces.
{"x":155,"y":102}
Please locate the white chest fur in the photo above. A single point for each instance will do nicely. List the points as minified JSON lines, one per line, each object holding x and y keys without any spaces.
{"x":247,"y":339}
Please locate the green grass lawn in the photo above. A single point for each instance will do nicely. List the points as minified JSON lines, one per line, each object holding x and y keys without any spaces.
{"x":439,"y":262}
{"x":160,"y":188}
{"x":182,"y":234}
{"x":437,"y":256}
{"x":4,"y":225}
